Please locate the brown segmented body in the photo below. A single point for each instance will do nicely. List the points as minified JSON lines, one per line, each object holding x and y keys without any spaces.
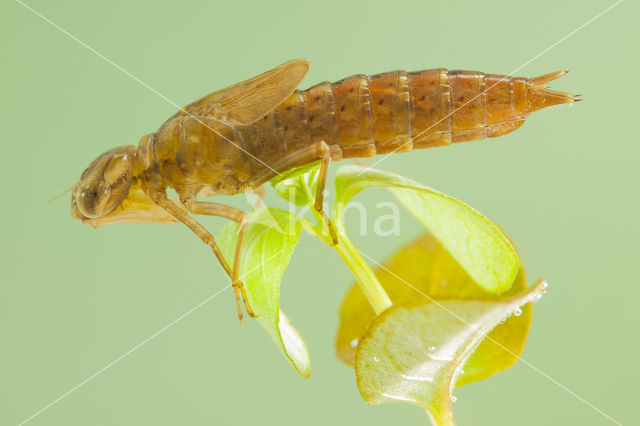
{"x":358,"y":116}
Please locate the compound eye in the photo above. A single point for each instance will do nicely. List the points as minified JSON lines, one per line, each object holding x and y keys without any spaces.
{"x":117,"y":171}
{"x":117,"y":179}
{"x":91,"y":200}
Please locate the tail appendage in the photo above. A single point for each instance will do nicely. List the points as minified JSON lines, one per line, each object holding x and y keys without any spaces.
{"x":540,"y":96}
{"x":511,"y":100}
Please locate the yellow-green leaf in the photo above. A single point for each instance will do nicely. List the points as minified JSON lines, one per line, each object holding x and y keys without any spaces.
{"x":271,"y":236}
{"x":298,"y":185}
{"x":424,"y":269}
{"x":472,"y":239}
{"x":414,"y":352}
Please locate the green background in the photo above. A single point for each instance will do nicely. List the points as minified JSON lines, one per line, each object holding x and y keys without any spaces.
{"x":73,"y":299}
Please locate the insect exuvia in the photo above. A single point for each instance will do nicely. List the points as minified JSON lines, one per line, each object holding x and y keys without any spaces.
{"x":236,"y":139}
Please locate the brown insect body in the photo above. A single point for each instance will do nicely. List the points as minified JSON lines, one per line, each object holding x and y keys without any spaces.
{"x":359,"y":116}
{"x":240,"y":137}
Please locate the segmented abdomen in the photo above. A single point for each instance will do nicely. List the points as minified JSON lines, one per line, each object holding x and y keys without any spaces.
{"x":397,"y":111}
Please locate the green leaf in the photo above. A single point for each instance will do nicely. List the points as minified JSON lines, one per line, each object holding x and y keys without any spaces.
{"x":425,"y":269}
{"x":298,"y":185}
{"x":472,"y":239}
{"x":413,"y":352}
{"x":270,"y":239}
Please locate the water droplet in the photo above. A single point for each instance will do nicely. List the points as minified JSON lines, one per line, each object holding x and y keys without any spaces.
{"x":354,"y":343}
{"x":545,"y":285}
{"x":376,"y":359}
{"x":125,"y":157}
{"x":462,"y":371}
{"x":454,"y":398}
{"x":517,"y":312}
{"x":106,"y":191}
{"x":82,"y":194}
{"x":432,"y":348}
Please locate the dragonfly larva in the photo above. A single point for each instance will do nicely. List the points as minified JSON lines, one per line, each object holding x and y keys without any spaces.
{"x":235,"y":139}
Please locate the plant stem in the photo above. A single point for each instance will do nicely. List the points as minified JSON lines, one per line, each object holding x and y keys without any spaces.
{"x":377,"y":297}
{"x":367,"y":280}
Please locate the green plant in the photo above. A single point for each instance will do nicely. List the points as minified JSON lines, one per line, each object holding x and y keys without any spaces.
{"x":409,"y":337}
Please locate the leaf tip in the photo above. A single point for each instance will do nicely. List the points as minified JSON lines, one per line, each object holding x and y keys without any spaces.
{"x":538,"y":290}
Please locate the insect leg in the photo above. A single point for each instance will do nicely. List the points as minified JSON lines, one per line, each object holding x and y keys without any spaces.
{"x":161,"y":199}
{"x":259,"y":191}
{"x":159,"y":196}
{"x":322,"y":181}
{"x":318,"y":151}
{"x":223,"y":210}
